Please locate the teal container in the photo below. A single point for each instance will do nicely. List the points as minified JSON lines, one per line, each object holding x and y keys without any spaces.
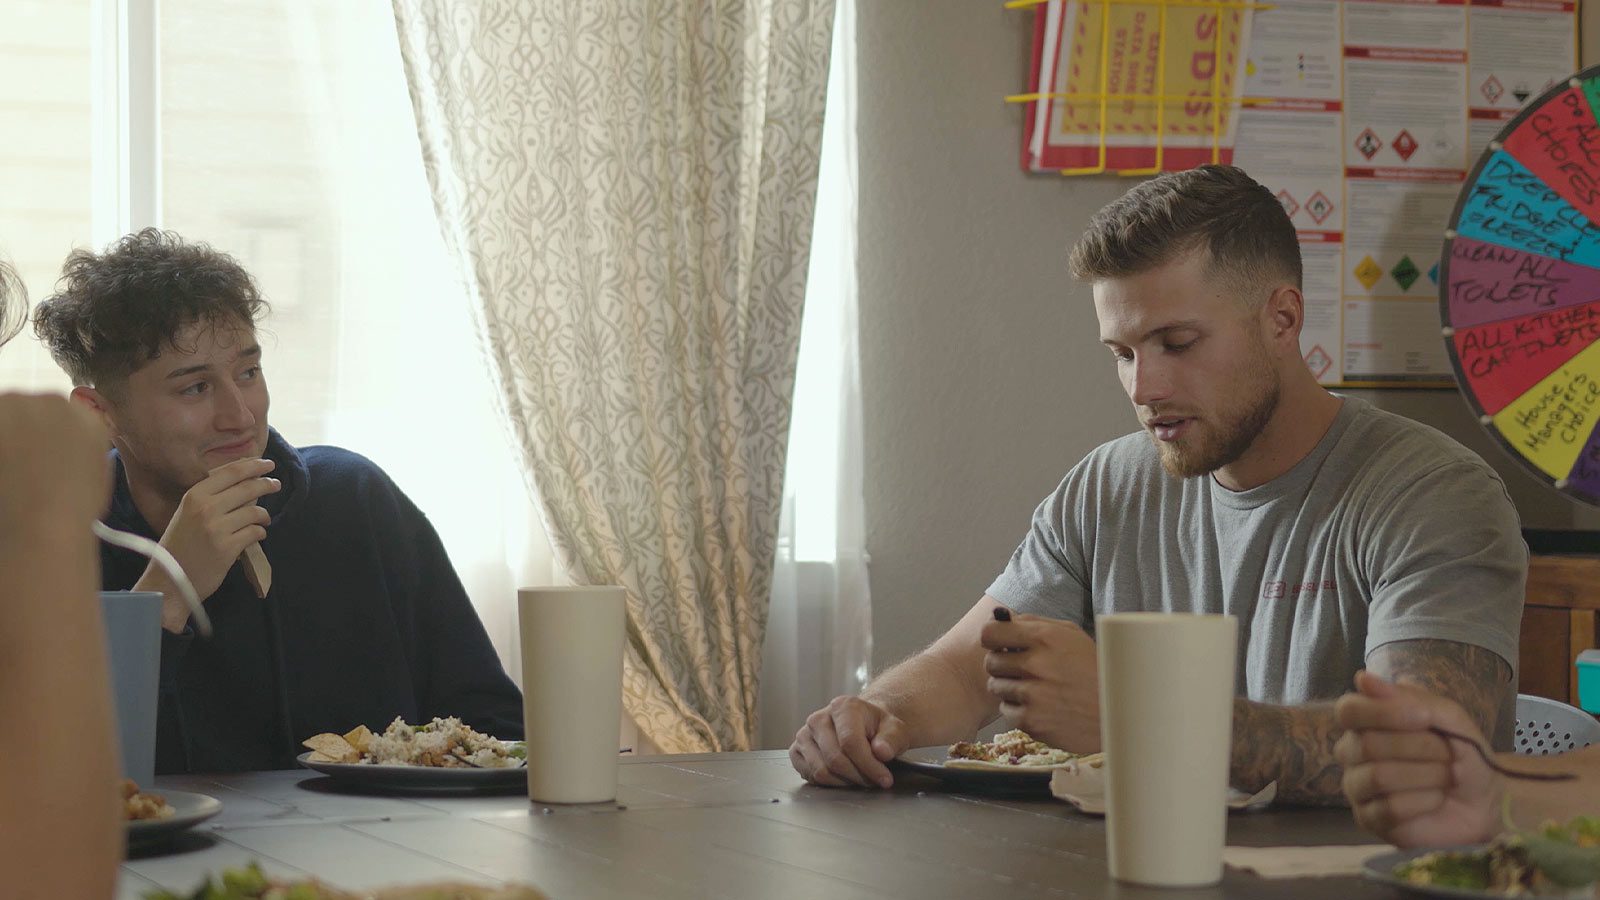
{"x":1589,"y":680}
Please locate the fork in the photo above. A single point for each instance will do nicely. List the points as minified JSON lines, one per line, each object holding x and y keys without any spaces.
{"x":1489,"y":760}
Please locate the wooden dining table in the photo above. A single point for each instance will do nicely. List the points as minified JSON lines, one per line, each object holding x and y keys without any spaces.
{"x":733,"y":825}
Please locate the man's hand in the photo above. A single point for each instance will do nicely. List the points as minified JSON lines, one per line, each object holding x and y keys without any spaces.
{"x":53,"y":466}
{"x":847,"y":743}
{"x":1044,"y":673}
{"x":1406,"y":784}
{"x":215,"y":521}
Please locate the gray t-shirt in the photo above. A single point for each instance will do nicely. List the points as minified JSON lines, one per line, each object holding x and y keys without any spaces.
{"x":1387,"y":531}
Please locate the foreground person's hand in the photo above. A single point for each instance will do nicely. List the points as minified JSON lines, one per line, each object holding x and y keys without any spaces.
{"x":1044,"y":673}
{"x":1405,"y":783}
{"x":847,"y":743}
{"x":53,"y":464}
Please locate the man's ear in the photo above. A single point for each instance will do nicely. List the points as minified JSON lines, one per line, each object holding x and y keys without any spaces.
{"x":96,"y":401}
{"x":1285,"y":314}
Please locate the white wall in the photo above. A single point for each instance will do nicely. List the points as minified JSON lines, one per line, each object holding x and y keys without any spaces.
{"x":983,"y":381}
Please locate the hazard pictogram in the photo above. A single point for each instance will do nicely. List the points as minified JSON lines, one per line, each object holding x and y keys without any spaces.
{"x":1522,"y":93}
{"x":1433,"y":274}
{"x":1367,"y":142}
{"x":1405,"y":273}
{"x":1492,"y":89}
{"x":1319,"y":361}
{"x":1405,"y":145}
{"x":1289,"y":206}
{"x":1368,"y":272}
{"x":1320,"y":207}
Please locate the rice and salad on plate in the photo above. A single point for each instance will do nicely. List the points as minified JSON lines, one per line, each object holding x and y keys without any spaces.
{"x":442,"y":743}
{"x":1010,"y":749}
{"x":143,"y":806}
{"x":1553,"y":861}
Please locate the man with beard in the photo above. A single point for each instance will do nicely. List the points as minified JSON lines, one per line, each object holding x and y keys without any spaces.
{"x":1339,"y":535}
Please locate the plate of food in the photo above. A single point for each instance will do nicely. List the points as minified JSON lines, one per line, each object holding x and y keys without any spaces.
{"x":152,"y":817}
{"x":1012,"y":761}
{"x":443,"y":753}
{"x":1553,"y":861}
{"x":250,"y":883}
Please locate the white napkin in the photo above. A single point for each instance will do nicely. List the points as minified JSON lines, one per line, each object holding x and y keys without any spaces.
{"x":1082,"y":783}
{"x":1303,"y":862}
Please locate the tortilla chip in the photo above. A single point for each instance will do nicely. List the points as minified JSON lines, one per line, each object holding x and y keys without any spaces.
{"x":319,"y":756}
{"x":333,"y":746}
{"x":359,"y":737}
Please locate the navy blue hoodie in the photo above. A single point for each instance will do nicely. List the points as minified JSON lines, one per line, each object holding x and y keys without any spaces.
{"x":366,"y":620}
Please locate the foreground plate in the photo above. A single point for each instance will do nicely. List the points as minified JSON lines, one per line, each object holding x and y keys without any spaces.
{"x":1381,"y":868}
{"x":414,"y":777}
{"x":191,"y":810}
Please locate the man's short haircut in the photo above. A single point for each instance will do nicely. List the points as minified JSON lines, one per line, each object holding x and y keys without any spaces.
{"x":115,"y":311}
{"x":1238,"y":221}
{"x":13,"y":303}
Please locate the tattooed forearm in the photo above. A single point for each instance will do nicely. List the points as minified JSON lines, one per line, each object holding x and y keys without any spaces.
{"x":1476,"y":678}
{"x":1292,"y":745}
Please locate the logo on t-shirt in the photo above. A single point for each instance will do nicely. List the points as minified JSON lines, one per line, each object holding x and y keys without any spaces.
{"x":1277,"y":590}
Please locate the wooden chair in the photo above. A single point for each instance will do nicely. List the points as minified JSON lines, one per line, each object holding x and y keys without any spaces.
{"x":1558,"y":623}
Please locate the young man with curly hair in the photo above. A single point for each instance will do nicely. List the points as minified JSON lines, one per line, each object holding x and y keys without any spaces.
{"x":365,"y":619}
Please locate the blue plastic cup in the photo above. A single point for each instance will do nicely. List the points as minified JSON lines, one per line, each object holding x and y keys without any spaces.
{"x":133,"y":656}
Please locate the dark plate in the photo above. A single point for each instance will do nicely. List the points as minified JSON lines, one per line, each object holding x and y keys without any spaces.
{"x":416,"y":777}
{"x":191,"y":810}
{"x":1014,"y":779}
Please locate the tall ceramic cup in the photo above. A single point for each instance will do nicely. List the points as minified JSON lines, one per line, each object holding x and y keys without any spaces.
{"x":1166,"y":723}
{"x":133,"y":658}
{"x":572,"y":640}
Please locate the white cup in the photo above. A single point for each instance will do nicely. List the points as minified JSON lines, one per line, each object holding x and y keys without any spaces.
{"x":572,"y":640}
{"x":1166,"y":725}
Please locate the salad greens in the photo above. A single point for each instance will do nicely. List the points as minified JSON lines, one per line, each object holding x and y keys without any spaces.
{"x":249,"y":883}
{"x":1569,"y":854}
{"x":1554,"y":858}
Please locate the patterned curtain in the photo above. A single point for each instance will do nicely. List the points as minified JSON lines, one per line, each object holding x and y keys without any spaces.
{"x":628,"y":186}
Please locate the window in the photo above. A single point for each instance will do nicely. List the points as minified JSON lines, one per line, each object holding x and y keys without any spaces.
{"x":47,"y":109}
{"x":285,"y":137}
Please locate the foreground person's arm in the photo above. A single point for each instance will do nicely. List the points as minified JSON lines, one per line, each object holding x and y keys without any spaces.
{"x":60,"y":816}
{"x":1536,"y":802}
{"x":937,"y":696}
{"x":1413,"y":787}
{"x":1294,"y":745}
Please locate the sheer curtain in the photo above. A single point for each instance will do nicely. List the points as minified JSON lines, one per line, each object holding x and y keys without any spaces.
{"x":629,"y":189}
{"x":819,"y":629}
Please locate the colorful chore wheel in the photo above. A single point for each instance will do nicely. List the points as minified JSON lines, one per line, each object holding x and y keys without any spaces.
{"x":1519,"y":287}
